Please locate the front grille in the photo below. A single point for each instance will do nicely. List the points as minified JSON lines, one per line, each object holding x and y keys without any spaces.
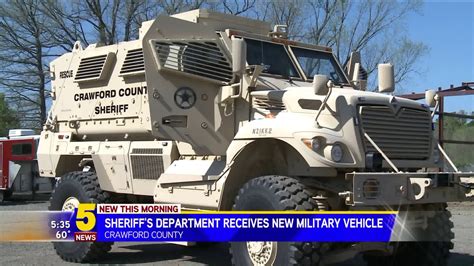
{"x":147,"y":166}
{"x":147,"y":163}
{"x":147,"y":151}
{"x":404,"y":135}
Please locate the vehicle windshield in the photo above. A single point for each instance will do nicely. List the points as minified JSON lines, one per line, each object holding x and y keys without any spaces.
{"x":273,"y":57}
{"x":315,"y":62}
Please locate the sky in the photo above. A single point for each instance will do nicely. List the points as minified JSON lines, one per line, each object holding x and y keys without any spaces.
{"x":447,"y":28}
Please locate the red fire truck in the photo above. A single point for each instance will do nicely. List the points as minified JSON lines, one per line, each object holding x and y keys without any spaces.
{"x":18,"y":166}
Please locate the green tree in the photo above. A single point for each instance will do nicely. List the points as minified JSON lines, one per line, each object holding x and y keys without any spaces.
{"x":460,"y":129}
{"x":8,"y":117}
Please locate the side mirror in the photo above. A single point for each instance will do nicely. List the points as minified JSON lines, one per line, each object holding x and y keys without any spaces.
{"x":320,"y":84}
{"x":359,"y":77}
{"x":351,"y":65}
{"x":356,"y":72}
{"x":430,"y":98}
{"x":386,"y":78}
{"x":239,"y":56}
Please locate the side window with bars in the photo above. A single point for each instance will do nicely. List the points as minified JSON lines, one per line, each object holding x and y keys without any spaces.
{"x":94,"y":68}
{"x":134,"y":63}
{"x":204,"y":59}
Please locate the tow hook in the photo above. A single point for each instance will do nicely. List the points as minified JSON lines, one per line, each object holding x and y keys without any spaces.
{"x":347,"y":196}
{"x":419,"y":185}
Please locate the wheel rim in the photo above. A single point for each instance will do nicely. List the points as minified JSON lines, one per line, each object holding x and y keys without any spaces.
{"x":70,"y":204}
{"x":262,"y":253}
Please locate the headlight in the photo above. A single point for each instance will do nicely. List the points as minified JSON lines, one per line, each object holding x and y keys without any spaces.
{"x":315,"y":143}
{"x":336,"y":153}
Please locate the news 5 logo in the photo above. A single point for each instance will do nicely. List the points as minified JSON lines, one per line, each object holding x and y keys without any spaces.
{"x":85,"y":217}
{"x":85,"y":222}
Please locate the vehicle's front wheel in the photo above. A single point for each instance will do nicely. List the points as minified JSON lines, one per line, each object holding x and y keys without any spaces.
{"x":435,"y":248}
{"x":276,"y":193}
{"x":72,"y":189}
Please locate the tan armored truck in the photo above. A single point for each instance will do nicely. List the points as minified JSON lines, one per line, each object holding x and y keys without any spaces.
{"x":218,"y":112}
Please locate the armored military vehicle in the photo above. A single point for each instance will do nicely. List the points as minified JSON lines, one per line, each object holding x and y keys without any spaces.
{"x":219,"y":112}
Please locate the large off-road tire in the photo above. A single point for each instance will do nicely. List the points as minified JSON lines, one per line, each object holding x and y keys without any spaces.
{"x":75,"y":187}
{"x":276,"y":193}
{"x":423,"y":253}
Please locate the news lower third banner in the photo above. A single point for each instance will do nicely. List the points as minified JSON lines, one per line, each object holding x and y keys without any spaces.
{"x":168,"y":223}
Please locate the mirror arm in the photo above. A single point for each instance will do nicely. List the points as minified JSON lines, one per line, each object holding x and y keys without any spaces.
{"x":355,"y":73}
{"x":434,"y":109}
{"x":323,"y":105}
{"x":257,"y":70}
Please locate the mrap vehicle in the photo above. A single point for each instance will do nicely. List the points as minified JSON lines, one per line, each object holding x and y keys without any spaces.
{"x":219,"y":112}
{"x":18,"y":165}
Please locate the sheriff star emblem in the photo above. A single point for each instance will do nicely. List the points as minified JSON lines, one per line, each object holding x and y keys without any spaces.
{"x":185,"y":98}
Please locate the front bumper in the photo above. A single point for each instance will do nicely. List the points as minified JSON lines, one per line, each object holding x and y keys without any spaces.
{"x":376,"y":189}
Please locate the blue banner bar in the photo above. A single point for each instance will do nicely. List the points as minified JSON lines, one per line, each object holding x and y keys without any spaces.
{"x":217,"y":227}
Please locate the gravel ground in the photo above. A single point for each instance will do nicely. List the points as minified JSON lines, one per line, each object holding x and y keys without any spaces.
{"x":168,"y":254}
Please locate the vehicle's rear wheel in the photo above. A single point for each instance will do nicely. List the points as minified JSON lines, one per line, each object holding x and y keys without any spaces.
{"x":72,"y":189}
{"x":276,"y":193}
{"x":434,"y":252}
